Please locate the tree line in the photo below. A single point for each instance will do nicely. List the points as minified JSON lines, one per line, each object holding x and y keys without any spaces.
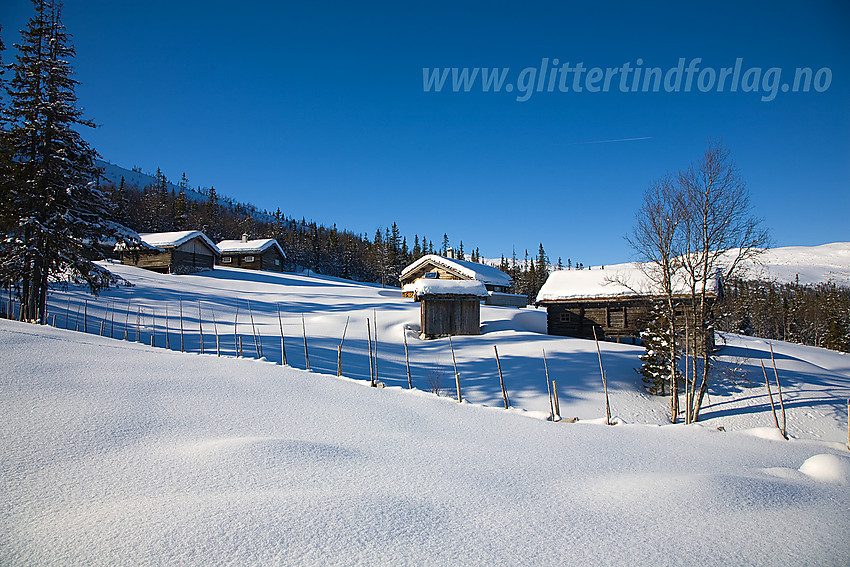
{"x":161,"y":207}
{"x":816,"y":315}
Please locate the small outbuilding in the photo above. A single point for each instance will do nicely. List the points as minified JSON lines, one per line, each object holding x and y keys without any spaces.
{"x":448,"y":307}
{"x":435,"y":267}
{"x":262,"y":254}
{"x":616,"y":302}
{"x":179,"y":252}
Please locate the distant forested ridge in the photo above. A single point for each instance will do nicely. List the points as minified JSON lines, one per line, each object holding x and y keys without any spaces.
{"x":162,"y":206}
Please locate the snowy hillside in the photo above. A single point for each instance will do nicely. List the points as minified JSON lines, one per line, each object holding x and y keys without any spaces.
{"x":321,"y":306}
{"x":811,"y":264}
{"x":113,"y":173}
{"x":116,"y":452}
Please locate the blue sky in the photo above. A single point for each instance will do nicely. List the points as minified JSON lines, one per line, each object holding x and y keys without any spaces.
{"x":319,"y":108}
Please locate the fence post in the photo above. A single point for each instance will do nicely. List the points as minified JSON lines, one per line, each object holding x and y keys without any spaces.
{"x":407,"y":360}
{"x":457,"y":375}
{"x":501,"y":380}
{"x":306,"y":354}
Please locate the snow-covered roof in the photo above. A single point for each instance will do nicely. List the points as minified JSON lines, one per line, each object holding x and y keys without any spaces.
{"x":427,"y":286}
{"x":170,"y":239}
{"x":623,"y":280}
{"x":472,"y":270}
{"x":258,"y":246}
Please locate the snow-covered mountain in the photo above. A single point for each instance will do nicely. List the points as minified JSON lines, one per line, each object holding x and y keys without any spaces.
{"x":808,"y":264}
{"x":789,"y":264}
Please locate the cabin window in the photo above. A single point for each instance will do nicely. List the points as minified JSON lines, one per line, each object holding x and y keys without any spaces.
{"x":249,"y":259}
{"x":432,"y":275}
{"x":616,"y":318}
{"x":277,"y":261}
{"x":565,"y":317}
{"x":226,"y":259}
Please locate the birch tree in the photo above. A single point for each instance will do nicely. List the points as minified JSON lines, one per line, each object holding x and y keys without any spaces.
{"x":717,"y":236}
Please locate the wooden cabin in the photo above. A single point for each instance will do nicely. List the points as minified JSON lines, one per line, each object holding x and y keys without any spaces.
{"x":180,"y":252}
{"x":616,"y":302}
{"x":448,"y":307}
{"x":435,"y":267}
{"x":262,"y":254}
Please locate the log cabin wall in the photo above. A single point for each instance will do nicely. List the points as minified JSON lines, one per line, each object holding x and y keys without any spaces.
{"x":617,"y":320}
{"x":441,"y":316}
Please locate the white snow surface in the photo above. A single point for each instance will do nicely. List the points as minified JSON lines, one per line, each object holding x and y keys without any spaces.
{"x":175,"y":238}
{"x":473,"y":270}
{"x":258,"y":245}
{"x":426,"y":286}
{"x":115,"y":452}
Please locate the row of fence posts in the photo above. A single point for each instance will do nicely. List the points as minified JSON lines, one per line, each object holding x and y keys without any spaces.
{"x":80,"y":322}
{"x":8,"y":312}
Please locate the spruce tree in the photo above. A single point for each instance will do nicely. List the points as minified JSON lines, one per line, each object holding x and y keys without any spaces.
{"x":56,"y":213}
{"x":417,"y":251}
{"x":657,"y":358}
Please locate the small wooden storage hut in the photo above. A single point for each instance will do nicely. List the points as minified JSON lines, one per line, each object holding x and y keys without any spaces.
{"x":173,"y":252}
{"x":616,"y":302}
{"x":262,"y":254}
{"x":448,"y":307}
{"x":436,"y":267}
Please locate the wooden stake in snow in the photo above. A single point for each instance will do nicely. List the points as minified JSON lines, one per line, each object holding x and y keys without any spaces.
{"x":112,"y":323}
{"x":501,"y":380}
{"x":254,"y":330}
{"x":201,"y":326}
{"x":555,"y":395}
{"x":339,"y":349}
{"x":167,"y":341}
{"x":306,"y":352}
{"x":282,"y":346}
{"x":604,"y":382}
{"x":139,"y":324}
{"x":769,"y":393}
{"x":102,"y":324}
{"x":217,"y":340}
{"x":67,"y":310}
{"x":86,"y":317}
{"x":407,"y":360}
{"x":375,"y":323}
{"x":371,"y":366}
{"x":457,"y":374}
{"x":549,"y":388}
{"x":236,"y":344}
{"x":127,"y":322}
{"x":182,"y":342}
{"x":779,"y":392}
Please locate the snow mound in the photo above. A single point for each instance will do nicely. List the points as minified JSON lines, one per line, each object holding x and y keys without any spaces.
{"x":770,"y":433}
{"x":828,"y":468}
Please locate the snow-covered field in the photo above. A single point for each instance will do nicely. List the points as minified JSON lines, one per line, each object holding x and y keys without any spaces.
{"x":118,"y":453}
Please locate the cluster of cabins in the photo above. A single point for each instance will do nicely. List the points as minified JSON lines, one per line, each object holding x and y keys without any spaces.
{"x":192,"y":251}
{"x":611,"y":304}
